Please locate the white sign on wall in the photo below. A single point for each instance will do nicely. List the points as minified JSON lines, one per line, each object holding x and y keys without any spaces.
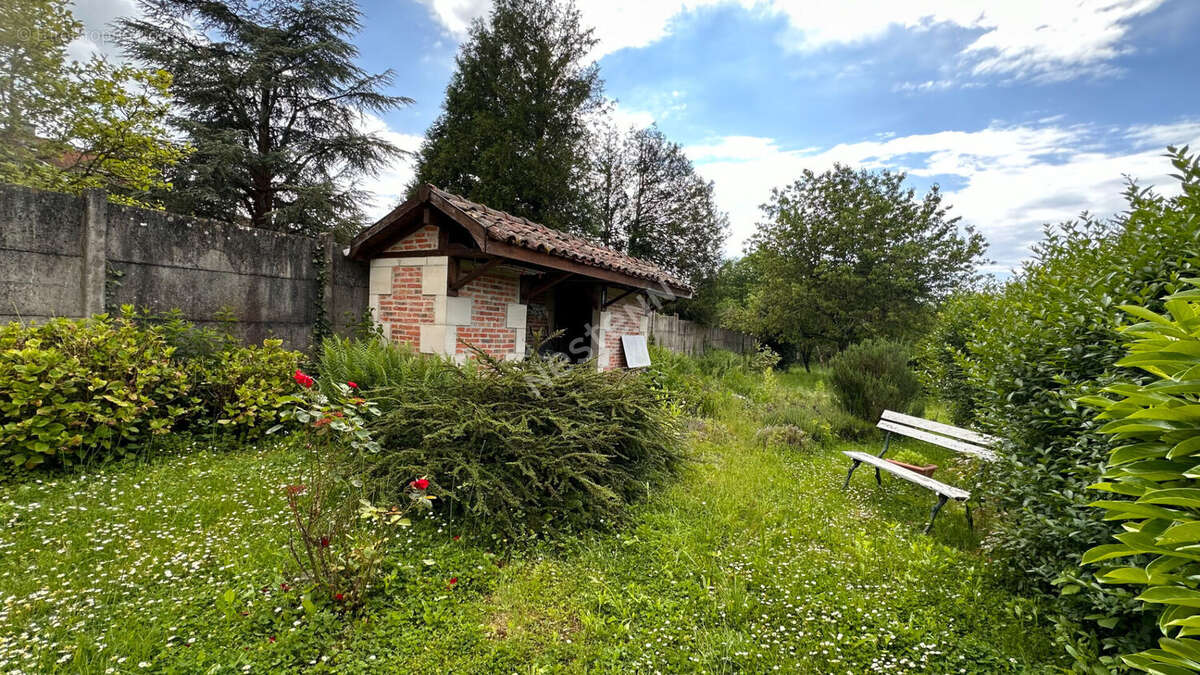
{"x":636,"y":353}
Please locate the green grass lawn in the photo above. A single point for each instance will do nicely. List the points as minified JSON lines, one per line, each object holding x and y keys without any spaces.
{"x":753,"y":561}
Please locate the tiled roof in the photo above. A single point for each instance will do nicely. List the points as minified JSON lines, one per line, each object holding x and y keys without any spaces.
{"x":516,"y":231}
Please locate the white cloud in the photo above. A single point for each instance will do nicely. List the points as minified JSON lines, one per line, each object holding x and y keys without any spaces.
{"x":1044,"y":41}
{"x":98,"y":17}
{"x":1015,"y":178}
{"x":388,"y":185}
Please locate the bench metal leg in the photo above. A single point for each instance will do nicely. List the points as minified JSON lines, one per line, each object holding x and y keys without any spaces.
{"x":878,"y":479}
{"x":851,"y":473}
{"x":970,"y":523}
{"x":933,"y":514}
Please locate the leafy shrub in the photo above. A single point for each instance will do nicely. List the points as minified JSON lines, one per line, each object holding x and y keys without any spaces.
{"x":528,"y":446}
{"x":1153,"y":475}
{"x":941,"y":353}
{"x":101,"y":388}
{"x":77,"y":390}
{"x":1047,"y":337}
{"x":242,"y":391}
{"x":874,"y":376}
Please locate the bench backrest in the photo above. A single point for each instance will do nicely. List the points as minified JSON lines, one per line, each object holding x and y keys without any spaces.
{"x":960,"y":440}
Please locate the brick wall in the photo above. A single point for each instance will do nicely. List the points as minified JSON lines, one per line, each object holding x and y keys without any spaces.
{"x":403,"y":308}
{"x":423,"y":239}
{"x":624,"y":317}
{"x":406,"y":309}
{"x":412,"y":303}
{"x":489,"y":330}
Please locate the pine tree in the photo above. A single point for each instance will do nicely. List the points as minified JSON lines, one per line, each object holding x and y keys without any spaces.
{"x":272,"y":100}
{"x":513,"y":132}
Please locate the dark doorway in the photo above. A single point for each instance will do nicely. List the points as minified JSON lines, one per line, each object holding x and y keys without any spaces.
{"x":573,"y":315}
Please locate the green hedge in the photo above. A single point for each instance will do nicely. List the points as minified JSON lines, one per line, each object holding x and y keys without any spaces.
{"x":1152,"y":481}
{"x":1045,"y":338}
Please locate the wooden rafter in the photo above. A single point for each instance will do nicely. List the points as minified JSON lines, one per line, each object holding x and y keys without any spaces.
{"x":474,"y":274}
{"x":550,"y":283}
{"x":622,"y":296}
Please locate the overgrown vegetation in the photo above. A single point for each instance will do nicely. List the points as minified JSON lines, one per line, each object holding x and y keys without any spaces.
{"x":527,"y":447}
{"x":753,"y":560}
{"x":1032,"y":349}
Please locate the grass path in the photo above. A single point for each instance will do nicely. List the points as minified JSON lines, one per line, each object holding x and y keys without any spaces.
{"x":754,"y":561}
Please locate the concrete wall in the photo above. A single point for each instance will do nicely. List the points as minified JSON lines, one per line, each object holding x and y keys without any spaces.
{"x":41,"y":254}
{"x":69,"y":256}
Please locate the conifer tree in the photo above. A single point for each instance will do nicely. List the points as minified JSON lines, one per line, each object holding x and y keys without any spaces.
{"x":269,"y":95}
{"x":513,"y":133}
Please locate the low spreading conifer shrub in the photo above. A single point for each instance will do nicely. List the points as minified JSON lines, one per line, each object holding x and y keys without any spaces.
{"x":527,"y":447}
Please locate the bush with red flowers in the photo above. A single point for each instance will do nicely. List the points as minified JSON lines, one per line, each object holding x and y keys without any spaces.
{"x":339,"y":536}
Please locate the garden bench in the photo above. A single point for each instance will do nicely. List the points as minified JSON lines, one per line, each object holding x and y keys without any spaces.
{"x":960,"y":440}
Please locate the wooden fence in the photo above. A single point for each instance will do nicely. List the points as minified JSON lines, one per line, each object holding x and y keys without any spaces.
{"x":687,"y":337}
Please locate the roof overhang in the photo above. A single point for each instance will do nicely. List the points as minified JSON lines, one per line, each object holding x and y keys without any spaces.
{"x":416,"y":213}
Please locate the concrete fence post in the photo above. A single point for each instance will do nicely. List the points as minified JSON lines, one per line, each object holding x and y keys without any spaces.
{"x":330,"y":246}
{"x":95,"y":240}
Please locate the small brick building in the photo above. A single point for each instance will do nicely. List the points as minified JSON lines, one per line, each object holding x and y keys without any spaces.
{"x":447,"y":273}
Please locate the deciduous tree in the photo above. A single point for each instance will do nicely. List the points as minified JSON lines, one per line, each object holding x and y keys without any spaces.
{"x":849,"y":254}
{"x":68,"y":126}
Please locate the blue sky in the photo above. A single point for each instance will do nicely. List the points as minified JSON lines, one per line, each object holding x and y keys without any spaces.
{"x":1025,"y":112}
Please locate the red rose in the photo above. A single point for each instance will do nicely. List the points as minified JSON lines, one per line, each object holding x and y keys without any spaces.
{"x":352,"y":385}
{"x":453,"y":580}
{"x":339,"y":597}
{"x":420,"y":484}
{"x":456,"y":537}
{"x":324,"y":542}
{"x":303,"y":380}
{"x":284,"y":587}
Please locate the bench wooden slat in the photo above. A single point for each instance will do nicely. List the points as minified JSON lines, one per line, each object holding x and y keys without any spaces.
{"x":911,"y":476}
{"x":945,"y":429}
{"x":929,"y":437}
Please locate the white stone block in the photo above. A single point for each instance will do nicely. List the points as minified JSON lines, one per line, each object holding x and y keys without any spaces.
{"x":384,"y":262}
{"x":517,"y":314}
{"x":433,"y":279}
{"x":433,"y":339}
{"x":606,"y":320}
{"x":381,"y":281}
{"x":519,"y":346}
{"x":458,"y":311}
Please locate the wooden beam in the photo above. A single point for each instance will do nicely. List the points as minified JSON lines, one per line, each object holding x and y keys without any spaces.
{"x":455,"y":250}
{"x":474,"y":274}
{"x":627,"y":293}
{"x":538,"y":290}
